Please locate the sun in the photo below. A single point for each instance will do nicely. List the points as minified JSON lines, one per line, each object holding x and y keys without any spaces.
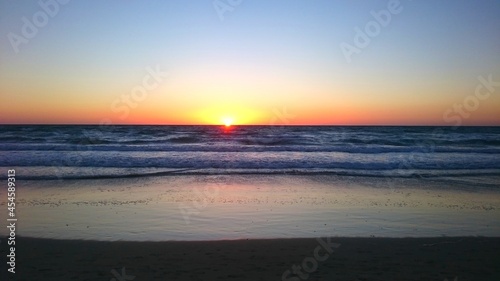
{"x":227,"y":121}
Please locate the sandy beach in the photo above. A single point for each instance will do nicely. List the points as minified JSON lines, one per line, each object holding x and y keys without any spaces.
{"x":355,"y":259}
{"x":254,"y":227}
{"x":195,"y":208}
{"x":179,"y":228}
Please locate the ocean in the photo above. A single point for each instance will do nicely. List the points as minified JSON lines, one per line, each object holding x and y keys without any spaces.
{"x":86,"y":152}
{"x":157,"y":183}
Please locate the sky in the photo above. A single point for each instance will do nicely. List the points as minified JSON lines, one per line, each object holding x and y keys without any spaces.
{"x":286,"y":62}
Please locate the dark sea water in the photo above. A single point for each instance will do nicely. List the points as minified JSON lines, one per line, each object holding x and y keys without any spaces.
{"x":80,"y":152}
{"x":157,"y":183}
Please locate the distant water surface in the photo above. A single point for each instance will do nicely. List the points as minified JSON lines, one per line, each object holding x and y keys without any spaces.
{"x":467,"y":154}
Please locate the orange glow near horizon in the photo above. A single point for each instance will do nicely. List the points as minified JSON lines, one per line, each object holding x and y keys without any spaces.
{"x":228,"y":115}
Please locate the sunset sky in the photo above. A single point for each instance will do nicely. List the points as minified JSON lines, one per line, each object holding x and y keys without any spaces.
{"x":258,"y":62}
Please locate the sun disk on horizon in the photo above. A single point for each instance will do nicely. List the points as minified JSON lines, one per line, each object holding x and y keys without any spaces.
{"x":228,"y":122}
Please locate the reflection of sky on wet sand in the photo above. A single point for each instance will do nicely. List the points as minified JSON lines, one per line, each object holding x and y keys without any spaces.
{"x":234,"y":207}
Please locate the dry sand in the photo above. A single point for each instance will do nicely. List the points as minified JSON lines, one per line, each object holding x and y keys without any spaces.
{"x":356,"y":259}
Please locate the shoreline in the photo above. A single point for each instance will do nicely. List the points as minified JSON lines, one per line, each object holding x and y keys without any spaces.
{"x":439,"y":258}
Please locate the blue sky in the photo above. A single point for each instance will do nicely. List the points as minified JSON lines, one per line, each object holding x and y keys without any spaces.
{"x":281,"y":53}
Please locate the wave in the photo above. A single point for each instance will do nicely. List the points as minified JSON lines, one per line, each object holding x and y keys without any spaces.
{"x":249,"y":140}
{"x":395,"y":174}
{"x":252,"y":136}
{"x":86,"y":141}
{"x":17,"y":139}
{"x":251,"y":160}
{"x":253,"y":145}
{"x":184,"y":139}
{"x":254,"y":141}
{"x":372,"y":151}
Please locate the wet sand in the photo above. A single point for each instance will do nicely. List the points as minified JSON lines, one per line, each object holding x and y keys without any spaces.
{"x":471,"y":258}
{"x":230,"y":207}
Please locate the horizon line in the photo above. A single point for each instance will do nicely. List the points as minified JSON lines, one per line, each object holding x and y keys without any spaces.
{"x":249,"y":125}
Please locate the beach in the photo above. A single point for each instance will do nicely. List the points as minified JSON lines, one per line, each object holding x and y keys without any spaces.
{"x":222,"y":207}
{"x":195,"y":203}
{"x":254,"y":227}
{"x":381,"y":259}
